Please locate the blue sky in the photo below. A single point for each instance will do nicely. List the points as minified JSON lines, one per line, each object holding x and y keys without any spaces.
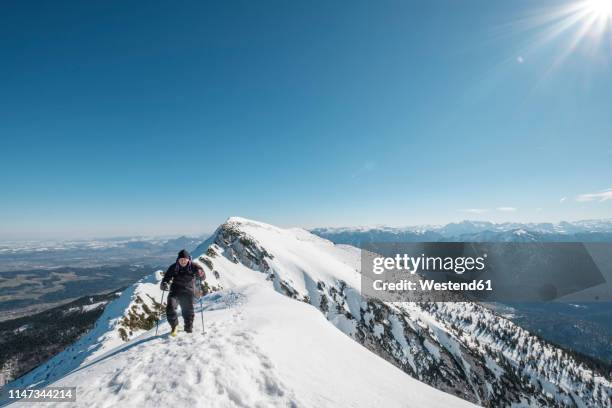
{"x":160,"y":118}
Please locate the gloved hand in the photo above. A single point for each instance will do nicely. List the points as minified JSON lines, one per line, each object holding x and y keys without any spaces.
{"x":164,"y":286}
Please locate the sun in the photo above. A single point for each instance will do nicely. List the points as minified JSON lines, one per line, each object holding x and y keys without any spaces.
{"x":599,"y":8}
{"x":574,"y":25}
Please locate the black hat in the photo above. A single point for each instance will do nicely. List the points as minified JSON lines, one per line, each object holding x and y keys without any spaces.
{"x":184,"y":254}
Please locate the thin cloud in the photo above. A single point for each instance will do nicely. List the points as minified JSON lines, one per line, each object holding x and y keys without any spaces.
{"x":603,"y":195}
{"x":475,"y":210}
{"x":506,"y":209}
{"x":562,"y":199}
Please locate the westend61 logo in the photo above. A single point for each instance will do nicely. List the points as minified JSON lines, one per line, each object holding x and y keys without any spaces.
{"x":422,"y":263}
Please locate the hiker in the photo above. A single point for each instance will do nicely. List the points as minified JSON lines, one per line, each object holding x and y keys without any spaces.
{"x":182,"y":274}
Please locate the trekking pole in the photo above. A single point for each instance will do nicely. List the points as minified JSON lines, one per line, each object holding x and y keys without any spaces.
{"x":162,"y":305}
{"x":202,"y":315}
{"x":201,"y":307}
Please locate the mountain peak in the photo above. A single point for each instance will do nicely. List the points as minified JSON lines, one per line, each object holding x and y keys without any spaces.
{"x":260,"y":347}
{"x":287,"y":326}
{"x":241,"y":220}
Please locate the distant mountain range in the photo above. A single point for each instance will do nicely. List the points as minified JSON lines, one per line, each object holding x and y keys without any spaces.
{"x":474,"y":231}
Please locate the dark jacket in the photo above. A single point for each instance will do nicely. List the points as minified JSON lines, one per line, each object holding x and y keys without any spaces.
{"x":183,"y":278}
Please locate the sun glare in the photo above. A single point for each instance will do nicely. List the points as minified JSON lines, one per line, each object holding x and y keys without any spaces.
{"x":600,"y":8}
{"x":584,"y":25}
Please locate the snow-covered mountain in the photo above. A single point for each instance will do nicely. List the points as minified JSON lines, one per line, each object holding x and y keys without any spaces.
{"x":287,"y":326}
{"x":261,"y":348}
{"x":481,"y":231}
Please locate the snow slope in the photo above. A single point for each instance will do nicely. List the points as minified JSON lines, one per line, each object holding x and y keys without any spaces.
{"x":460,"y":348}
{"x":102,"y":338}
{"x":265,"y":348}
{"x":261,"y":349}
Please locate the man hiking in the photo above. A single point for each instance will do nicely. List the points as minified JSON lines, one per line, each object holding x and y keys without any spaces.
{"x":182,"y":274}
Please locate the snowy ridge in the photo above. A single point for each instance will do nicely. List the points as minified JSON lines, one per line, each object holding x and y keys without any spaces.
{"x":476,"y":355}
{"x":300,"y":358}
{"x":261,"y":349}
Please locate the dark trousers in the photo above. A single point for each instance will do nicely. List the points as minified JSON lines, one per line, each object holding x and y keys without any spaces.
{"x":185,"y":300}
